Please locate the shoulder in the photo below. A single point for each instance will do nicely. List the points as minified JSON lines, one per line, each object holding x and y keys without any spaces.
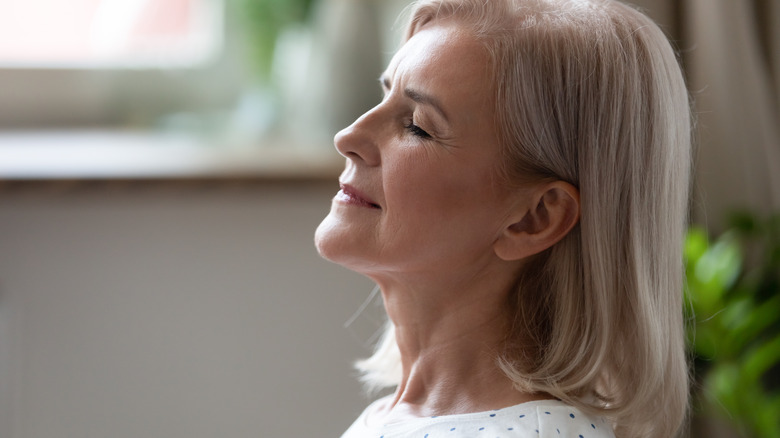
{"x":556,"y":418}
{"x":541,"y":419}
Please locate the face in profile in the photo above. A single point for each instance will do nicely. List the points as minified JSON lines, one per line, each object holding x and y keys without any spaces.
{"x":421,"y":191}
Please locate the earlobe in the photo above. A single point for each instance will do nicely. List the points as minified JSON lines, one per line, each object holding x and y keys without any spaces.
{"x":553,"y":210}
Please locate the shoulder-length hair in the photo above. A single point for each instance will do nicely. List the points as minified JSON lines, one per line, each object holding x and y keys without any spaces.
{"x":589,"y":92}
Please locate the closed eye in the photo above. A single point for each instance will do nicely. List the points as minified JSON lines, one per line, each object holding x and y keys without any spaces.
{"x":416,"y":130}
{"x":409,"y":126}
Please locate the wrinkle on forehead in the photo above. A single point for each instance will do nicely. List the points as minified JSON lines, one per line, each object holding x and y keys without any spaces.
{"x":444,"y":60}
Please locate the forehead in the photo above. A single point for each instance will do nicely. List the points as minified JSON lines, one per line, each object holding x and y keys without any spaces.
{"x":442,"y":58}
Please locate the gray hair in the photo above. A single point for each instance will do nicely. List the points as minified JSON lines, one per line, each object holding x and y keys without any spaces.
{"x":590,"y":92}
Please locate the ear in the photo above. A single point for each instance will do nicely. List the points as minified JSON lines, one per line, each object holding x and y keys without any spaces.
{"x":551,"y":212}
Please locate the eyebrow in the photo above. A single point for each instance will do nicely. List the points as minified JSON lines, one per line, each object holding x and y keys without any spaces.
{"x":418,"y":97}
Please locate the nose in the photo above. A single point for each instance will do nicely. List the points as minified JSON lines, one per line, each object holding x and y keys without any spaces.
{"x":359,"y":141}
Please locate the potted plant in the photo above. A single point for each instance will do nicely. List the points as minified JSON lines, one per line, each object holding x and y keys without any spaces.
{"x":733,"y":309}
{"x":264,"y":21}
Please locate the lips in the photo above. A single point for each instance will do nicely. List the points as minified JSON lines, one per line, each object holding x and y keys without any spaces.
{"x":352,"y":196}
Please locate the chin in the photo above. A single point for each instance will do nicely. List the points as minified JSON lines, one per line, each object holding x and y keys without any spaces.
{"x":340,"y":244}
{"x":322,"y":239}
{"x":331,"y":240}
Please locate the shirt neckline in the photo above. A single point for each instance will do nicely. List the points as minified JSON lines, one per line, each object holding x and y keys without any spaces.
{"x":414,"y":423}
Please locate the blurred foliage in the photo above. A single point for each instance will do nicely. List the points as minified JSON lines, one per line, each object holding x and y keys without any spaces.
{"x":264,"y":20}
{"x":733,"y":305}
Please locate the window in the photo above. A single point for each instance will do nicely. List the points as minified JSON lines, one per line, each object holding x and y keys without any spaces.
{"x":112,"y":63}
{"x":137,"y":89}
{"x":108,"y":33}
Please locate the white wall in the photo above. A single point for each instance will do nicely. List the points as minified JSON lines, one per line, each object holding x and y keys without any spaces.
{"x":173,"y":310}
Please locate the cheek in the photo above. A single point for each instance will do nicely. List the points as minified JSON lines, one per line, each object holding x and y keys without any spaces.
{"x":432,"y":201}
{"x":436,"y":184}
{"x":416,"y":173}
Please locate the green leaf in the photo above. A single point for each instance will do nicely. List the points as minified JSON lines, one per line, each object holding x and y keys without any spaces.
{"x":760,"y":318}
{"x":761,"y":359}
{"x":767,"y":422}
{"x":716,"y":271}
{"x":734,"y":316}
{"x":696,"y":244}
{"x":722,"y":262}
{"x":707,"y":341}
{"x":723,"y":382}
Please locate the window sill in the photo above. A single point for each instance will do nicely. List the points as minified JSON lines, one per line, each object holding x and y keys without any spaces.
{"x":108,"y":154}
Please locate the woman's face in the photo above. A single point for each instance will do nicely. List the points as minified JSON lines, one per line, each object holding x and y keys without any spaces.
{"x":420,"y":192}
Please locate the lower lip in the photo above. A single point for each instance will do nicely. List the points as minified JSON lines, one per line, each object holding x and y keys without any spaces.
{"x":345,"y":198}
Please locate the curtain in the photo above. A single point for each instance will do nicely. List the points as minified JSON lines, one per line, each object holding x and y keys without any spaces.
{"x":731,"y":54}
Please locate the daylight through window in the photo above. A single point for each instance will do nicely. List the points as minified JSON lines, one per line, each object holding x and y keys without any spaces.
{"x":109,"y":33}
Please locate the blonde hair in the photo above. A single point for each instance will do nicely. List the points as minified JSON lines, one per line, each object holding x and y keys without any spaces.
{"x":590,"y":92}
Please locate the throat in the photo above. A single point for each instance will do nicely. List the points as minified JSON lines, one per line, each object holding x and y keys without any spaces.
{"x":435,"y":386}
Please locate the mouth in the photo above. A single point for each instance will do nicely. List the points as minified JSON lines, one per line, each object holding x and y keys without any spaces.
{"x":350,"y":195}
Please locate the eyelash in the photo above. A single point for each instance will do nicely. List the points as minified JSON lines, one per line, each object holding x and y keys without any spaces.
{"x":416,"y":130}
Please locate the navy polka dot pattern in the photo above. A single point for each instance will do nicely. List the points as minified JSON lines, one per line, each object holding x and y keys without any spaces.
{"x":543,"y":419}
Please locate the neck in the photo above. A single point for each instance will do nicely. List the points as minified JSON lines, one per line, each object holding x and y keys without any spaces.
{"x":450,"y":334}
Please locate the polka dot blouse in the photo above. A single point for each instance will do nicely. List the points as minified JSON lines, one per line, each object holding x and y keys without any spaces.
{"x":538,"y":419}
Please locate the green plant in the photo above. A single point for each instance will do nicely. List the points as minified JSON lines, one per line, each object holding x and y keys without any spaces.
{"x":733,"y":306}
{"x":264,"y":20}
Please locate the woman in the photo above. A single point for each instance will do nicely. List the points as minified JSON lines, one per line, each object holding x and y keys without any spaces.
{"x":519,"y":196}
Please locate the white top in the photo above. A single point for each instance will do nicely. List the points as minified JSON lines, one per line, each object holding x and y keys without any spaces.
{"x":536,"y":419}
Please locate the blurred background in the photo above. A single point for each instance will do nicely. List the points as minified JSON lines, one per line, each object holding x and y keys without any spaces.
{"x":163,"y":166}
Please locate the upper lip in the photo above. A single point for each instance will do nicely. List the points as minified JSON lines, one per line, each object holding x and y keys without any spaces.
{"x":355,"y":193}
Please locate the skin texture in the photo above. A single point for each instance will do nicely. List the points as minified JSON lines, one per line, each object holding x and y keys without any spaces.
{"x":423,"y":213}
